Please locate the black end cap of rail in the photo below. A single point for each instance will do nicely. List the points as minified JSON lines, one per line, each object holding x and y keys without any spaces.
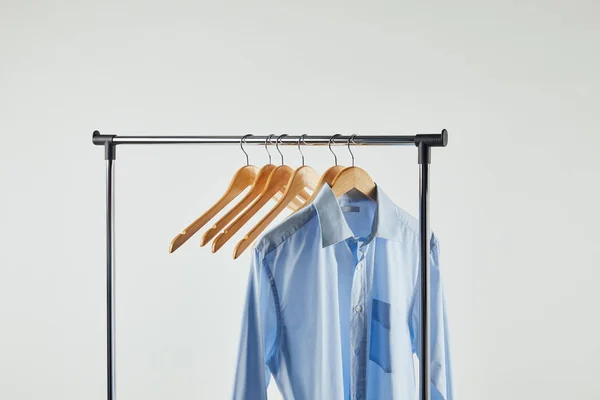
{"x":107,"y":141}
{"x":433,"y":140}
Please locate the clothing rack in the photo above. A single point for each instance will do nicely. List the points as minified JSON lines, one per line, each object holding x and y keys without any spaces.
{"x":423,"y":142}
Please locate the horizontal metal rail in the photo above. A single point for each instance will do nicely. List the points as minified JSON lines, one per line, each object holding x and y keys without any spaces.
{"x":433,"y":139}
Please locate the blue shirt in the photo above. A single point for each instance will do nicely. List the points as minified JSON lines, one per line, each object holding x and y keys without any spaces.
{"x":332,"y":307}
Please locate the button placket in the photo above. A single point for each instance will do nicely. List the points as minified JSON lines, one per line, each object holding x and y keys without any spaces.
{"x":358,"y":333}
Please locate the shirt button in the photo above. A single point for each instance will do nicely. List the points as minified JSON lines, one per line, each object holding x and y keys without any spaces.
{"x":359,"y":266}
{"x":356,"y":351}
{"x":358,"y":308}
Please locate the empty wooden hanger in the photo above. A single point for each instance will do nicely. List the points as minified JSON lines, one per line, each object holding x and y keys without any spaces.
{"x":354,"y":178}
{"x":303,"y":177}
{"x":279,"y":179}
{"x":257,"y":187}
{"x":328,"y":176}
{"x":242,"y":179}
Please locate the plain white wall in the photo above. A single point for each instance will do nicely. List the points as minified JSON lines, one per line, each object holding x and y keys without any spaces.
{"x":514,"y":196}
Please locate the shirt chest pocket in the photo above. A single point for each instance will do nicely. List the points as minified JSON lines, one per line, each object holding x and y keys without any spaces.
{"x":380,"y":335}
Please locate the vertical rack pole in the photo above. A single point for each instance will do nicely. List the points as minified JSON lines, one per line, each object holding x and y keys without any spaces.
{"x":424,"y":361}
{"x":110,"y":269}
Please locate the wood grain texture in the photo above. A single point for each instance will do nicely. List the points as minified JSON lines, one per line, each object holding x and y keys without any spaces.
{"x":278,"y":180}
{"x":354,"y":178}
{"x":241,"y":180}
{"x":257,"y":187}
{"x":326,"y":179}
{"x":304,"y":177}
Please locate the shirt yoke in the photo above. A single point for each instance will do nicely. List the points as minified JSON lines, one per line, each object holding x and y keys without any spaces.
{"x":280,"y":233}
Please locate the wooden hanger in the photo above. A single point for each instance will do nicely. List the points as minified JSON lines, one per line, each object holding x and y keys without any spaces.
{"x":304,"y":177}
{"x":327,"y":177}
{"x":278,"y":179}
{"x":241,"y":180}
{"x":354,"y":178}
{"x":257,"y":188}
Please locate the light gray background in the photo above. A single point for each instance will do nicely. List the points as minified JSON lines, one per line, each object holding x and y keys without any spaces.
{"x":514,"y":196}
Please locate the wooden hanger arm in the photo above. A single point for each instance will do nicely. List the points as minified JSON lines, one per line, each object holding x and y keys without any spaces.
{"x":278,"y":179}
{"x":304,"y":195}
{"x":227,"y":218}
{"x":259,"y":182}
{"x":243,"y":178}
{"x":303,"y":177}
{"x":326,"y":179}
{"x":262,"y":224}
{"x":237,"y":209}
{"x":195,"y":226}
{"x":240,"y":221}
{"x":294,"y":204}
{"x":354,"y":178}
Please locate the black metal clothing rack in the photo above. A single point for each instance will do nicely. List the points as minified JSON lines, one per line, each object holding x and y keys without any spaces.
{"x":423,"y":142}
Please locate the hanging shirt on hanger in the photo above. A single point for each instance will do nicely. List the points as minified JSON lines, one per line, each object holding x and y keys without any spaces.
{"x":333,"y":309}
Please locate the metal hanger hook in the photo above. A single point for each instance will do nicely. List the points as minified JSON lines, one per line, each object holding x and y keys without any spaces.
{"x":351,"y":139}
{"x":299,"y":149}
{"x":277,"y":145}
{"x":268,"y":139}
{"x":242,"y":141}
{"x":332,"y":140}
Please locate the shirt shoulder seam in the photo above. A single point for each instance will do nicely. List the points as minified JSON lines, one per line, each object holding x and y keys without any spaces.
{"x":285,"y":238}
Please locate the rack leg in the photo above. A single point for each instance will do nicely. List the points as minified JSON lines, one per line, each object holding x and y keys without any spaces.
{"x":424,"y":361}
{"x":110,"y":273}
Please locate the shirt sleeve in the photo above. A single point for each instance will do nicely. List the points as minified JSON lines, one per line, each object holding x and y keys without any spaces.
{"x":258,"y":334}
{"x":441,"y":380}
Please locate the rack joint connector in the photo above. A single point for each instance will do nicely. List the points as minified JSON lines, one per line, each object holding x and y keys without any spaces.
{"x":427,"y":141}
{"x":110,"y":146}
{"x":433,"y":139}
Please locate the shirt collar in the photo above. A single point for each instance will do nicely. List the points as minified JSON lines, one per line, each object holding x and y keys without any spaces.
{"x":334,"y":228}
